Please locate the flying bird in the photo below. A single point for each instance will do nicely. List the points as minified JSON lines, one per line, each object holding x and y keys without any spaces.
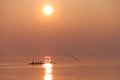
{"x":74,"y":57}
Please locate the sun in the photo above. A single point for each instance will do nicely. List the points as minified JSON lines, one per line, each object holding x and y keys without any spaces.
{"x":48,"y":10}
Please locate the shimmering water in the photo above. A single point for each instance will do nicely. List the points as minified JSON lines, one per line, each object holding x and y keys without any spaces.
{"x":59,"y":71}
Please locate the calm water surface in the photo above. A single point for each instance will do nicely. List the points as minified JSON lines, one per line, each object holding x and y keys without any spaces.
{"x":62,"y":71}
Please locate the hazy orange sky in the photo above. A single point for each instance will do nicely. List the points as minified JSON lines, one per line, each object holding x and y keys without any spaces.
{"x":82,"y":27}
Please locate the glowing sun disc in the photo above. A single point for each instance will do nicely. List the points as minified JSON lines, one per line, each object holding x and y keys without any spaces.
{"x":48,"y":10}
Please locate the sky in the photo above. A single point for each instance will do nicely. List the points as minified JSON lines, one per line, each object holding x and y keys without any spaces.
{"x":79,"y":27}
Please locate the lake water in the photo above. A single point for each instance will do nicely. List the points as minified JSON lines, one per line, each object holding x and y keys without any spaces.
{"x":60,"y":71}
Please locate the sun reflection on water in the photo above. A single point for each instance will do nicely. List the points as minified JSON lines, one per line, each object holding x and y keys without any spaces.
{"x":48,"y":71}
